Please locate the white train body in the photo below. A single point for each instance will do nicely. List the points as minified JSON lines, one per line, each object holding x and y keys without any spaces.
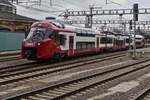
{"x":139,"y":41}
{"x":49,"y":39}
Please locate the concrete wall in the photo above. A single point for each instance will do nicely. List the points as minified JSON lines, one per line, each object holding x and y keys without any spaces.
{"x":11,"y":40}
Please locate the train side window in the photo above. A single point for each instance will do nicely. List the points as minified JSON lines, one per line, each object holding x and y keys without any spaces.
{"x":114,"y":42}
{"x":83,"y":45}
{"x":87,"y":45}
{"x":103,"y":40}
{"x":109,"y":40}
{"x":54,"y":35}
{"x":127,"y":40}
{"x":62,"y":39}
{"x":59,"y":38}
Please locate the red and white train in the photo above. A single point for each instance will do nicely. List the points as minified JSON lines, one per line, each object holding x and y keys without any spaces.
{"x":52,"y":39}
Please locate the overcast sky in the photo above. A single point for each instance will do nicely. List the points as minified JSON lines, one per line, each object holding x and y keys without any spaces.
{"x":59,"y":5}
{"x":124,"y":3}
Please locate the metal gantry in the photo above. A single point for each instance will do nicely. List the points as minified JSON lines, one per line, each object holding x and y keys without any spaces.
{"x":104,"y":12}
{"x":107,"y":22}
{"x":36,"y":2}
{"x":95,"y":12}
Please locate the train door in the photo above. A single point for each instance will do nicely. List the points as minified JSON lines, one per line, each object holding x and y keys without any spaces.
{"x":115,"y":44}
{"x":71,"y":42}
{"x":97,"y":42}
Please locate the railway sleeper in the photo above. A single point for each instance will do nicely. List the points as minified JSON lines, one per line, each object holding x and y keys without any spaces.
{"x":43,"y":96}
{"x":70,"y":87}
{"x":65,"y":89}
{"x":60,"y":91}
{"x":48,"y":94}
{"x":55,"y":93}
{"x":35,"y":98}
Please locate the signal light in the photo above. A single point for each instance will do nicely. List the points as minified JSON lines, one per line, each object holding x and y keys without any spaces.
{"x":135,"y":12}
{"x":130,"y":23}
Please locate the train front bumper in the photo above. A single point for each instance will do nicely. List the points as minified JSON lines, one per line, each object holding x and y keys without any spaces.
{"x":41,"y":50}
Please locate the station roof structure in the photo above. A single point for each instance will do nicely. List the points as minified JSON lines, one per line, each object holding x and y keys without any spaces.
{"x":6,"y":6}
{"x":15,"y":22}
{"x":5,"y":2}
{"x":15,"y":18}
{"x":8,"y":13}
{"x":10,"y":20}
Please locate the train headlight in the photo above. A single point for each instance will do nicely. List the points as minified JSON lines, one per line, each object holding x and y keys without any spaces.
{"x":38,"y":44}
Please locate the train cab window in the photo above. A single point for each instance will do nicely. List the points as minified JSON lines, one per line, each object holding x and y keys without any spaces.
{"x":36,"y":34}
{"x":49,"y":33}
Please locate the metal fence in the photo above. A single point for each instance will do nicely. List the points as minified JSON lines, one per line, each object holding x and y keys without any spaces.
{"x":11,"y":40}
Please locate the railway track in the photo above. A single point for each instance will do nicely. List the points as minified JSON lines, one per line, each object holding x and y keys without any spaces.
{"x":11,"y":74}
{"x":143,"y":95}
{"x":27,"y":67}
{"x":18,"y":76}
{"x":28,"y":72}
{"x":9,"y":58}
{"x":6,"y":54}
{"x":82,"y":82}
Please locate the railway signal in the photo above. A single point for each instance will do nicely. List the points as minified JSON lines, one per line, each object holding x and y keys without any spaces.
{"x":135,"y":12}
{"x":130,"y":23}
{"x":135,"y":18}
{"x":130,"y":28}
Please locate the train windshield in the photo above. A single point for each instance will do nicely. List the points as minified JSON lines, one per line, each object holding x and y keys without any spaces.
{"x":38,"y":34}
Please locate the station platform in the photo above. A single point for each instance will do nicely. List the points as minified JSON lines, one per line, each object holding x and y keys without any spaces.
{"x":146,"y":50}
{"x":142,"y":52}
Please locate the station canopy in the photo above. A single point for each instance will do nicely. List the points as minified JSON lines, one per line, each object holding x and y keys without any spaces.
{"x":14,"y":22}
{"x":5,"y":2}
{"x":14,"y":17}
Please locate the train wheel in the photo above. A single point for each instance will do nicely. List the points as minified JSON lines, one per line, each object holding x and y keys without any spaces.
{"x":132,"y":47}
{"x":56,"y":57}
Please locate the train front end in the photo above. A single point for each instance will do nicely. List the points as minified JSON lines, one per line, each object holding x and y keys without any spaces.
{"x":38,"y":45}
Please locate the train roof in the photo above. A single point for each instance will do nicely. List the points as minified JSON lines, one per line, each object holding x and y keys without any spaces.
{"x":107,"y":32}
{"x":60,"y":24}
{"x":114,"y":33}
{"x":138,"y":36}
{"x":63,"y":26}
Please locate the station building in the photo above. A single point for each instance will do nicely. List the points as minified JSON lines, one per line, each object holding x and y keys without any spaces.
{"x":9,"y":20}
{"x":13,"y":27}
{"x":5,"y":6}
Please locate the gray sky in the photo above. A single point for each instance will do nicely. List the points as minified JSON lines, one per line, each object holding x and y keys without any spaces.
{"x":59,"y":5}
{"x":124,"y":3}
